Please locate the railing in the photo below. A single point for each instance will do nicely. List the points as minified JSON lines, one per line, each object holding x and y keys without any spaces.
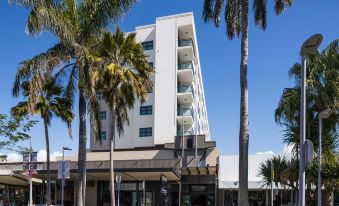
{"x":185,"y":42}
{"x":185,"y":65}
{"x":179,"y":133}
{"x":185,"y":88}
{"x":185,"y":112}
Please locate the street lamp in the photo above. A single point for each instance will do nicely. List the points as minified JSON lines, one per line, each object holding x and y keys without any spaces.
{"x":309,"y":47}
{"x":322,"y":115}
{"x":63,"y":174}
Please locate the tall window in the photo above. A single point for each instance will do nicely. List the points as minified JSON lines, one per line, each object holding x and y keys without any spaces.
{"x":102,"y":115}
{"x":145,"y":132}
{"x":148,"y":45}
{"x":146,"y":110}
{"x":103,"y":135}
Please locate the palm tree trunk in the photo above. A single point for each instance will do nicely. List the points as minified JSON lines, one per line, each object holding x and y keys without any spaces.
{"x":243,"y":134}
{"x":328,"y":196}
{"x":48,"y":192}
{"x":82,"y":150}
{"x":112,"y":141}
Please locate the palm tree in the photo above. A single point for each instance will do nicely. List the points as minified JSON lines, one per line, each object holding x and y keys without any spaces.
{"x":49,"y":104}
{"x":77,"y":26}
{"x":236,"y":19}
{"x":126,"y":75}
{"x":322,"y":93}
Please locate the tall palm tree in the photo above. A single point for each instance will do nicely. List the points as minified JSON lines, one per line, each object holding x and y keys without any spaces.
{"x":236,"y":19}
{"x":77,"y":24}
{"x":125,"y":75}
{"x":49,"y":104}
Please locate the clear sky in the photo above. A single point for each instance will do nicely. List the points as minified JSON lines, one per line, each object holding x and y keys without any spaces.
{"x":271,"y":54}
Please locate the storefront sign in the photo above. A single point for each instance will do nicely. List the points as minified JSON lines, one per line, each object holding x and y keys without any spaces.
{"x":163,"y":185}
{"x":198,"y":188}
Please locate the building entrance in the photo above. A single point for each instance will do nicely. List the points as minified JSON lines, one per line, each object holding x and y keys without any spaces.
{"x":202,"y":200}
{"x":199,"y":200}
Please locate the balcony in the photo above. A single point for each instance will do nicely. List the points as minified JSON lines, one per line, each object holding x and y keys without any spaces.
{"x":185,"y":94}
{"x":185,"y":71}
{"x":185,"y":116}
{"x":186,"y":50}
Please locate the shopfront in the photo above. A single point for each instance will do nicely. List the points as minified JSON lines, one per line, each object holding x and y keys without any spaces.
{"x":13,"y":195}
{"x":198,"y":190}
{"x":199,"y":195}
{"x":129,"y":194}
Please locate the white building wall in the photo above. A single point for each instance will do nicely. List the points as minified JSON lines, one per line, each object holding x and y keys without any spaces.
{"x":165,"y":81}
{"x":165,"y":34}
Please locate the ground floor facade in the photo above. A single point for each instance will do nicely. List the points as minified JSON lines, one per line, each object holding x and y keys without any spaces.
{"x":180,"y":173}
{"x":130,"y":193}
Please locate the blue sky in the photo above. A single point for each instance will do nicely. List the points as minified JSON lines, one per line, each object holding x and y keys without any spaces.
{"x":271,"y":54}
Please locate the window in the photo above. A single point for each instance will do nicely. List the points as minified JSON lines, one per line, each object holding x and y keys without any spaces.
{"x":151,"y":64}
{"x":102,"y":115}
{"x":148,"y":45}
{"x":100,"y":95}
{"x":145,"y":132}
{"x":103,"y":136}
{"x":189,"y":143}
{"x":146,"y":110}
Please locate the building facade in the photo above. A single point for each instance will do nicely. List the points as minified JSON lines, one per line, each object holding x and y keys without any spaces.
{"x":165,"y":155}
{"x":177,"y":103}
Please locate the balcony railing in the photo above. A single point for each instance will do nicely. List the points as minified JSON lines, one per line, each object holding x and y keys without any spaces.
{"x":185,"y":89}
{"x":185,"y":112}
{"x":185,"y":65}
{"x":179,"y":132}
{"x":185,"y":42}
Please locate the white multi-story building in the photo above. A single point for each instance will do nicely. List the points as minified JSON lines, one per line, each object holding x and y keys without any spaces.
{"x":176,"y":106}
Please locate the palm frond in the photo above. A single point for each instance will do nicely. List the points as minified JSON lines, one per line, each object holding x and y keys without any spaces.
{"x":218,"y":8}
{"x":96,"y":15}
{"x":281,"y":5}
{"x":232,"y":18}
{"x":260,"y":13}
{"x":48,"y":16}
{"x":208,"y":13}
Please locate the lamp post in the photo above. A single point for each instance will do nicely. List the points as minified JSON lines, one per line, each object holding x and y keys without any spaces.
{"x":322,"y":115}
{"x":309,"y":47}
{"x":272,"y":179}
{"x":30,"y":173}
{"x":63,"y":174}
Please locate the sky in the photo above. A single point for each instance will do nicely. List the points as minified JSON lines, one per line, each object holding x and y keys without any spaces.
{"x":271,"y":54}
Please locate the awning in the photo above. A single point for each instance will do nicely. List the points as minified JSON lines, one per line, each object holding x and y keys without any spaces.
{"x":129,"y":169}
{"x":208,"y":170}
{"x":9,"y":178}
